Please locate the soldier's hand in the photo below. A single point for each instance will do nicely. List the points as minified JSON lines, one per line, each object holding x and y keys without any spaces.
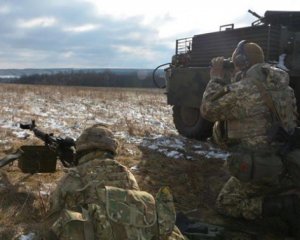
{"x":217,"y":70}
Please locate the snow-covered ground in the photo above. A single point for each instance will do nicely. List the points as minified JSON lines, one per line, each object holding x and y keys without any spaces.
{"x":137,"y":117}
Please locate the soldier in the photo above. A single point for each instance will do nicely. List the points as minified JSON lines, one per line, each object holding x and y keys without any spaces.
{"x":246,"y":124}
{"x":100,"y":198}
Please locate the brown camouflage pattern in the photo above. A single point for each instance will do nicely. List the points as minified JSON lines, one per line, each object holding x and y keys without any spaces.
{"x":240,"y":106}
{"x":97,"y":137}
{"x":100,"y":199}
{"x":244,"y":199}
{"x":240,"y":200}
{"x":93,"y":168}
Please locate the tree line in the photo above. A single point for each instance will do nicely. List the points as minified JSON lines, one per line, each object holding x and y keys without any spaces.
{"x":105,"y":78}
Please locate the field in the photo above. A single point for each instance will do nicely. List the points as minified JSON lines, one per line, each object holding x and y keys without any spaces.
{"x":149,"y":145}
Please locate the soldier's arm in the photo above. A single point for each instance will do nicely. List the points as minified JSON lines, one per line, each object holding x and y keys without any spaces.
{"x":67,"y":185}
{"x":219,"y":100}
{"x":56,"y":205}
{"x":57,"y":197}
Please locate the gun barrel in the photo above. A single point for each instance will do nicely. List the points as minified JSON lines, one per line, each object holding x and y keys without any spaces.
{"x":41,"y":135}
{"x":255,"y":14}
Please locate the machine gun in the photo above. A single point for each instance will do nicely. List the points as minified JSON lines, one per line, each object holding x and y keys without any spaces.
{"x":43,"y":158}
{"x":255,"y":14}
{"x":259,"y":18}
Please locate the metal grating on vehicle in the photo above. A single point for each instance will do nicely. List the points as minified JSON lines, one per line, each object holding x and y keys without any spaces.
{"x":210,"y":45}
{"x":183,"y":45}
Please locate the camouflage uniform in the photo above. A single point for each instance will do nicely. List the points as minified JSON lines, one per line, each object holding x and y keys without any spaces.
{"x":100,"y":199}
{"x":240,"y":108}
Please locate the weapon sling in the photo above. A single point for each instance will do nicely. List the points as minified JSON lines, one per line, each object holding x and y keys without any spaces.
{"x":268,"y":100}
{"x":291,"y":138}
{"x":290,"y":153}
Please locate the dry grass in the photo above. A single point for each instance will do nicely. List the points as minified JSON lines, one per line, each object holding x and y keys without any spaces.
{"x":195,"y":184}
{"x":22,"y":207}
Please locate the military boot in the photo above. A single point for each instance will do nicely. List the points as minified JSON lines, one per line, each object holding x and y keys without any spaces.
{"x":287,"y":207}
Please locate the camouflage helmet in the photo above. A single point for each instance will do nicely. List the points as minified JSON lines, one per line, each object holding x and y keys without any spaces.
{"x":97,"y":137}
{"x":247,"y":54}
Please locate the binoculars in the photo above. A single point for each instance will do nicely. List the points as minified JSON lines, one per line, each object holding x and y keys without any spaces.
{"x":228,"y":64}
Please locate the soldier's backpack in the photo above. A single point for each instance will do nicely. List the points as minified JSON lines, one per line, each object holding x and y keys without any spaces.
{"x":121,"y":214}
{"x":290,"y":150}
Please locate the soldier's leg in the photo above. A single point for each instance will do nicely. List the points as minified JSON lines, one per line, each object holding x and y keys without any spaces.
{"x":236,"y":200}
{"x":69,"y":226}
{"x":287,"y":207}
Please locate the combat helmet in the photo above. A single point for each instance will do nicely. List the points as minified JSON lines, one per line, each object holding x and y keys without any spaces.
{"x":97,"y":137}
{"x":246,"y":54}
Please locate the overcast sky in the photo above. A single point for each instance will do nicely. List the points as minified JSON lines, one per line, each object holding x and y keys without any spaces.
{"x":112,"y":33}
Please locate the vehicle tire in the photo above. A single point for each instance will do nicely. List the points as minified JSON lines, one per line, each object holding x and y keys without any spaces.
{"x":189,"y":123}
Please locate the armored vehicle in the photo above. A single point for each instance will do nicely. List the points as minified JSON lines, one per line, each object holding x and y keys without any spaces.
{"x":277,"y":32}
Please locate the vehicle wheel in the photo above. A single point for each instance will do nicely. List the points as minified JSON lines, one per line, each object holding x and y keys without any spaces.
{"x":189,"y":123}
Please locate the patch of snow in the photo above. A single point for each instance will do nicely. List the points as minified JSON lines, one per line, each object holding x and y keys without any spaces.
{"x":129,"y":139}
{"x":197,"y":146}
{"x":38,"y":111}
{"x":214,"y":154}
{"x":153,"y":147}
{"x":174,"y":154}
{"x":131,"y":152}
{"x":29,"y":236}
{"x":9,"y":124}
{"x":21,"y":134}
{"x":134,"y":168}
{"x":4,"y":141}
{"x":179,"y":147}
{"x":44,"y":193}
{"x":101,"y":121}
{"x":58,"y":113}
{"x":47,"y":188}
{"x":170,"y":142}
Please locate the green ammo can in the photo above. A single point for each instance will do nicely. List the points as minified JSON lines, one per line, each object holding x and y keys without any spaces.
{"x":37,"y":159}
